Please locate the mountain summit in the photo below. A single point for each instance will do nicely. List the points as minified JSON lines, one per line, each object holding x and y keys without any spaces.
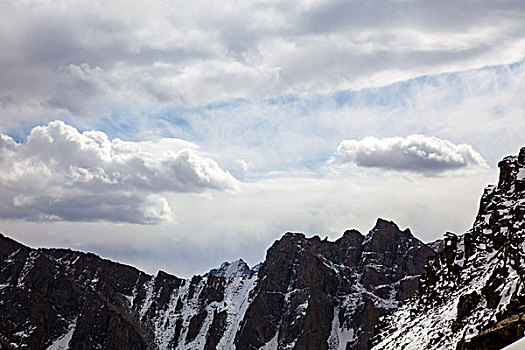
{"x":233,"y":269}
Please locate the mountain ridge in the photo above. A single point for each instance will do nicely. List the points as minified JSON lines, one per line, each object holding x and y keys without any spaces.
{"x":139,"y":310}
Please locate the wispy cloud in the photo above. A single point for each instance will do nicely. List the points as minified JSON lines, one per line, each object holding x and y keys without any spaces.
{"x":482,"y":108}
{"x":62,"y":174}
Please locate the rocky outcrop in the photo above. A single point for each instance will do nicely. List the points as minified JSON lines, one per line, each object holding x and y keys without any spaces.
{"x":317,"y":294}
{"x":473,"y":294}
{"x":502,"y":333}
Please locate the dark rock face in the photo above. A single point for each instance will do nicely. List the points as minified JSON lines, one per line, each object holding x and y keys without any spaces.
{"x":52,"y":292}
{"x":58,"y":299}
{"x":437,"y":245}
{"x":473,"y":293}
{"x":308,"y":294}
{"x":501,"y":334}
{"x":311,"y":291}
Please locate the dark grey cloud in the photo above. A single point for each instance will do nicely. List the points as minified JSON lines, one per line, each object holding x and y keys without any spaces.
{"x":62,"y":174}
{"x":416,"y":153}
{"x":146,"y":54}
{"x":443,"y":16}
{"x":83,"y":206}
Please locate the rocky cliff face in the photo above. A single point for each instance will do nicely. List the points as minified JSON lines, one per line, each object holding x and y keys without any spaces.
{"x":473,"y":294}
{"x":315,"y":294}
{"x":59,"y":299}
{"x":308,"y":294}
{"x":66,"y":297}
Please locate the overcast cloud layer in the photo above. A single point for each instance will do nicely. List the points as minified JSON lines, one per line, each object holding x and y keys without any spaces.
{"x":88,"y":58}
{"x":415,"y":153}
{"x":62,"y":174}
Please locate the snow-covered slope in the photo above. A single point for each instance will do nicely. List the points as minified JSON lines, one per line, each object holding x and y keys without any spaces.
{"x":200,"y":314}
{"x":518,"y":345}
{"x":473,"y":295}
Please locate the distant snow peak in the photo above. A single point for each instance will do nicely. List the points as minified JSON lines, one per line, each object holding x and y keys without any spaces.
{"x":256,"y":267}
{"x":237,"y":268}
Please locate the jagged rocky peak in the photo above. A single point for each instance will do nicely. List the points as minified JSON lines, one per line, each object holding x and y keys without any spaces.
{"x":66,"y":298}
{"x":233,"y":269}
{"x":354,"y":237}
{"x":512,"y":172}
{"x":320,"y":294}
{"x":57,"y":299}
{"x":386,"y":236}
{"x":473,"y":294}
{"x":438,"y":245}
{"x":383,"y":225}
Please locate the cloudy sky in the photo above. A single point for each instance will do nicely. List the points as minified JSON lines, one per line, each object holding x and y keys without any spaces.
{"x":177,"y":135}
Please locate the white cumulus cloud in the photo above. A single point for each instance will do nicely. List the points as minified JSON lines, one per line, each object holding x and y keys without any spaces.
{"x":416,"y":153}
{"x":60,"y":173}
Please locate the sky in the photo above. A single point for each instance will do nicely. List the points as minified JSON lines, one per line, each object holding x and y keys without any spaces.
{"x":176,"y":135}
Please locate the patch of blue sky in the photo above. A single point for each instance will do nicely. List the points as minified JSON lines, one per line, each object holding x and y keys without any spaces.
{"x":224,"y":104}
{"x":178,"y":118}
{"x":319,"y":122}
{"x":302,"y":131}
{"x":116,"y":126}
{"x":20,"y":131}
{"x":262,"y":115}
{"x":283,"y":99}
{"x":400,"y":94}
{"x":139,"y":126}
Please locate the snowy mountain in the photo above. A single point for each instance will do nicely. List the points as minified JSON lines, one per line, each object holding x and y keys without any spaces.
{"x":308,"y":293}
{"x":234,"y":269}
{"x":385,"y":289}
{"x":473,"y":294}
